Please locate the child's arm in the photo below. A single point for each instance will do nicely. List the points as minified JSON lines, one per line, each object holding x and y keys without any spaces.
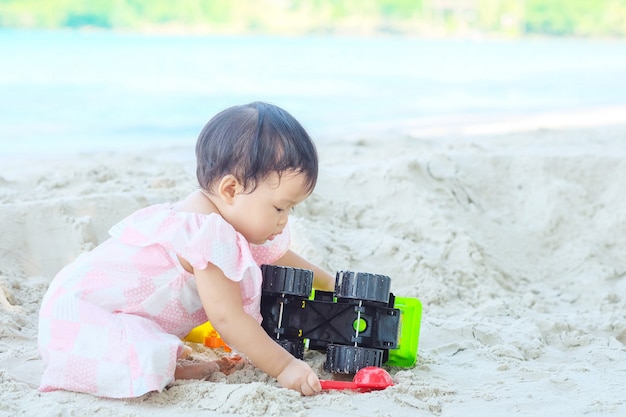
{"x":221,"y":298}
{"x":322,"y":280}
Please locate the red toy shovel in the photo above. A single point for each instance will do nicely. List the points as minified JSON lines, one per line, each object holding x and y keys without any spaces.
{"x":366,"y":379}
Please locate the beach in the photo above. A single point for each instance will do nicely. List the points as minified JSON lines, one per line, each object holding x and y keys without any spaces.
{"x":514,"y":240}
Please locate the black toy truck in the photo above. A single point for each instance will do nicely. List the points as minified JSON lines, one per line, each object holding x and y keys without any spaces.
{"x":360,"y":324}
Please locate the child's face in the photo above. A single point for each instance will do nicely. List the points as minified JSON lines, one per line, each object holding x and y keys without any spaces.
{"x":263,"y":213}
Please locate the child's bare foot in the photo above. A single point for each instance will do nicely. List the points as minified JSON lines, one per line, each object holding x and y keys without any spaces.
{"x":185,"y":352}
{"x":230,"y":364}
{"x":187,"y":369}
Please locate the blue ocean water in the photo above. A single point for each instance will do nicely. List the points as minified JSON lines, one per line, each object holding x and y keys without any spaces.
{"x":62,"y":91}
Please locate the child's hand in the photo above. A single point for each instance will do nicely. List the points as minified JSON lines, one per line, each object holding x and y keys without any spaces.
{"x":300,"y":377}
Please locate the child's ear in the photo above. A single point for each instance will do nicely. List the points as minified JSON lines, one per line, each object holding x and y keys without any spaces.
{"x":228,"y":187}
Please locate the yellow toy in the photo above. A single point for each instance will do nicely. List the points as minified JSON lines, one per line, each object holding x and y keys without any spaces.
{"x":208,"y":336}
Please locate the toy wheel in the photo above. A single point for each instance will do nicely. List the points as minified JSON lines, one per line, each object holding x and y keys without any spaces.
{"x":286,"y":280}
{"x":349,"y":359}
{"x":363,"y":286}
{"x":295,"y":347}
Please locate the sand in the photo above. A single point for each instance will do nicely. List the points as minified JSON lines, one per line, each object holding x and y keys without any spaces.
{"x":514,"y":241}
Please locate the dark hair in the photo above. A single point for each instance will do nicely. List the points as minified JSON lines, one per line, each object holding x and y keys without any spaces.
{"x":252,"y":141}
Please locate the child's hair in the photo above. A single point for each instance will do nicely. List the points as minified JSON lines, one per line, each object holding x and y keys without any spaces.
{"x":252,"y":141}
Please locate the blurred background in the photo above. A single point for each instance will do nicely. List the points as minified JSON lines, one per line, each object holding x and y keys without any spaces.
{"x":87,"y":75}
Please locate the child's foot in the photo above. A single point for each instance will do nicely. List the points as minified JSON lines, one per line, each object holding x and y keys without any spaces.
{"x":184,"y":352}
{"x":186,"y":369}
{"x":230,"y":364}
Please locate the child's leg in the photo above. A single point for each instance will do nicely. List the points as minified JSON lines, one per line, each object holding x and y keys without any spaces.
{"x":109,"y":355}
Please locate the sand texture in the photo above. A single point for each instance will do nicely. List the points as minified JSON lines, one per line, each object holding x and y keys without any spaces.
{"x":514,"y":242}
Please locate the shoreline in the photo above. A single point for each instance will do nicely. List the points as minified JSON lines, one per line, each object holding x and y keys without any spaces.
{"x":359,"y":28}
{"x":448,"y":127}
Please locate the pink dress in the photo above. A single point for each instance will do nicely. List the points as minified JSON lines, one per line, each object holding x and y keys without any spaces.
{"x":110,"y":324}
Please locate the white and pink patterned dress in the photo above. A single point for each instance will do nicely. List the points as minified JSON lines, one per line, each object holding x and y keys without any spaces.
{"x":110,"y":324}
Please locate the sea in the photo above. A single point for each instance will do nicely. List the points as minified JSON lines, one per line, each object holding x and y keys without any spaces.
{"x":76,"y":91}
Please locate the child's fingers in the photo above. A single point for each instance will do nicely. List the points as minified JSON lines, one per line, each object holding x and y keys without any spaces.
{"x":300,"y":377}
{"x":307,"y":390}
{"x":314,"y":382}
{"x":311,"y":385}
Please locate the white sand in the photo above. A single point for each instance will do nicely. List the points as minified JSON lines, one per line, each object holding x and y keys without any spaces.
{"x":514,"y":242}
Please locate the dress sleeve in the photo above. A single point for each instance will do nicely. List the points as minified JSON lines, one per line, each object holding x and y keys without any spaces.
{"x":202,"y":239}
{"x":198,"y":238}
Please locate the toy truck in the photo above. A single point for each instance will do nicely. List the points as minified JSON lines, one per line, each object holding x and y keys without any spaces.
{"x":358,"y":325}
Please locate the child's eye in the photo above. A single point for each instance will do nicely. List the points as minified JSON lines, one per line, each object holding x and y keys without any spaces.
{"x":280,"y":210}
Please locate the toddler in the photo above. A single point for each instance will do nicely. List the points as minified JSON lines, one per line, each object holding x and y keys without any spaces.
{"x":111,"y":322}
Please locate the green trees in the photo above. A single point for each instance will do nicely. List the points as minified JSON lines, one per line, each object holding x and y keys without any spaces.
{"x":576,"y":17}
{"x":419,"y":17}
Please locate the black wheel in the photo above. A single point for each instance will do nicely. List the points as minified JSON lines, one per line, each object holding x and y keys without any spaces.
{"x":363,"y":286}
{"x":295,"y":347}
{"x":349,"y":359}
{"x":286,"y":280}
